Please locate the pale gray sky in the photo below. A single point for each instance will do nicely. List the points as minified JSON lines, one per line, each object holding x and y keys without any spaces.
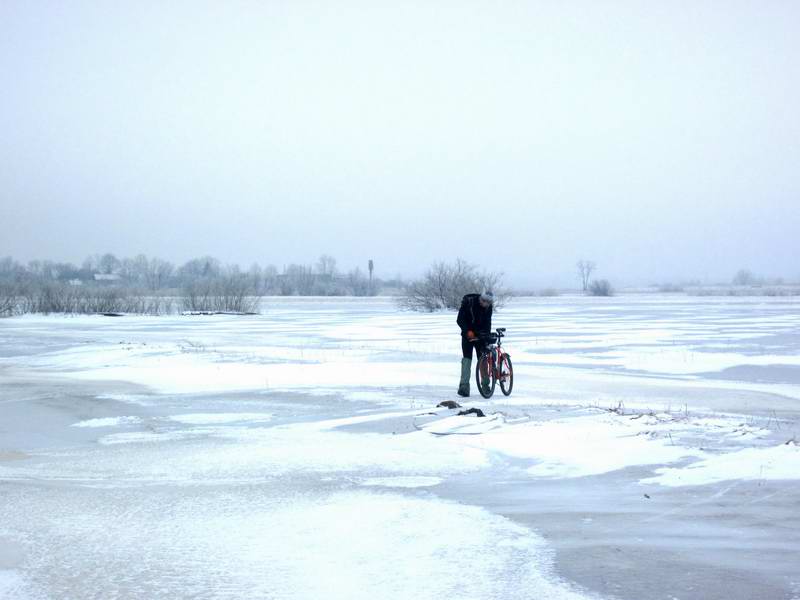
{"x":659,"y":139}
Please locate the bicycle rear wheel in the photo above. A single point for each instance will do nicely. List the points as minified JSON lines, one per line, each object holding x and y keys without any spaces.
{"x":506,"y":375}
{"x":484,"y":375}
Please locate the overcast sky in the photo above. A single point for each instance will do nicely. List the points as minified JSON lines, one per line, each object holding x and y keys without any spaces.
{"x":659,"y":139}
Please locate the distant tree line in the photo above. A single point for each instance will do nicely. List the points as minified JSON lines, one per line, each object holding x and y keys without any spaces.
{"x":149,"y":285}
{"x":743,"y":283}
{"x":105,"y":283}
{"x":745,"y":277}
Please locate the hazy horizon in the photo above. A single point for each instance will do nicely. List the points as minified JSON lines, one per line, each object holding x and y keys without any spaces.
{"x":659,"y":140}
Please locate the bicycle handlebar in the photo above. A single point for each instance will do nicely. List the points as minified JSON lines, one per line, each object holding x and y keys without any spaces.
{"x":492,"y":337}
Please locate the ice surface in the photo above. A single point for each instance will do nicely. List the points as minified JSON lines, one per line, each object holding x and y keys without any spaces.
{"x":341,"y":544}
{"x":284,"y":455}
{"x":230,"y":453}
{"x":212,"y":418}
{"x":13,"y":586}
{"x":402,"y":482}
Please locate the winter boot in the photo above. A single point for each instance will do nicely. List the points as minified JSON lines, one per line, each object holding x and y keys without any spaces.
{"x":484,"y":382}
{"x":466,"y":369}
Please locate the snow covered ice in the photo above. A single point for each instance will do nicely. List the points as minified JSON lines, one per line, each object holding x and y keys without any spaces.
{"x":649,"y":450}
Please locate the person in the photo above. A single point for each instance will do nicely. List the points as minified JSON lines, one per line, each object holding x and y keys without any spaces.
{"x":474,"y":318}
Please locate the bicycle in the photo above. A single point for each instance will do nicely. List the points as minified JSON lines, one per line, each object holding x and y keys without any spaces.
{"x":494,"y":365}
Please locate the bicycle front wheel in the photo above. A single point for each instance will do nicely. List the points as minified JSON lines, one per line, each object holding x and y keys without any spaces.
{"x":506,"y":375}
{"x":484,"y":375}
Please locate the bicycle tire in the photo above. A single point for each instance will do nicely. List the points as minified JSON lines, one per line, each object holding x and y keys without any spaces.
{"x":506,"y":382}
{"x":487,"y":360}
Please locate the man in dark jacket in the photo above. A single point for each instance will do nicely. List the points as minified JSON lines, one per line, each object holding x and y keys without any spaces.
{"x":474,"y":318}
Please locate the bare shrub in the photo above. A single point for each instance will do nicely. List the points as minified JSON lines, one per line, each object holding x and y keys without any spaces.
{"x":99,"y":300}
{"x":600,"y":287}
{"x":444,"y":284}
{"x":9,"y":299}
{"x":64,"y":298}
{"x":53,"y":298}
{"x":232,"y":293}
{"x":157,"y":305}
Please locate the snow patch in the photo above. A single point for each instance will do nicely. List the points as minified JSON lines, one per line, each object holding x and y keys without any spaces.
{"x":464,"y":425}
{"x":580,"y":446}
{"x":108,"y":422}
{"x":777,"y":462}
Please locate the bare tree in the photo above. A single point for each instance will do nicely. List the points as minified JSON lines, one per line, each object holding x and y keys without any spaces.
{"x":11,"y":270}
{"x":206,"y":266}
{"x":157,"y":273}
{"x":65,"y":271}
{"x":326,"y":266}
{"x":297,"y":279}
{"x":444,"y":284}
{"x":269,"y":278}
{"x":256,"y":273}
{"x":35,"y":268}
{"x":92,"y":264}
{"x":132,"y":270}
{"x":585,"y":270}
{"x":744,"y":277}
{"x":108,"y":264}
{"x":357,"y":283}
{"x":46,"y":270}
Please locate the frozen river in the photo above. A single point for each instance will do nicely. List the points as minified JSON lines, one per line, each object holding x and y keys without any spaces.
{"x":649,"y":450}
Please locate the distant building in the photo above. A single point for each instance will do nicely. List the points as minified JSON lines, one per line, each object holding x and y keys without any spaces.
{"x":106,"y":277}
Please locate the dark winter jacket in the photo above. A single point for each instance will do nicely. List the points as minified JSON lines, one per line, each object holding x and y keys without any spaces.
{"x":472,"y":316}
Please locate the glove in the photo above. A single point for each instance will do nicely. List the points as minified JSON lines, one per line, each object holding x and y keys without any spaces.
{"x":471,"y":334}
